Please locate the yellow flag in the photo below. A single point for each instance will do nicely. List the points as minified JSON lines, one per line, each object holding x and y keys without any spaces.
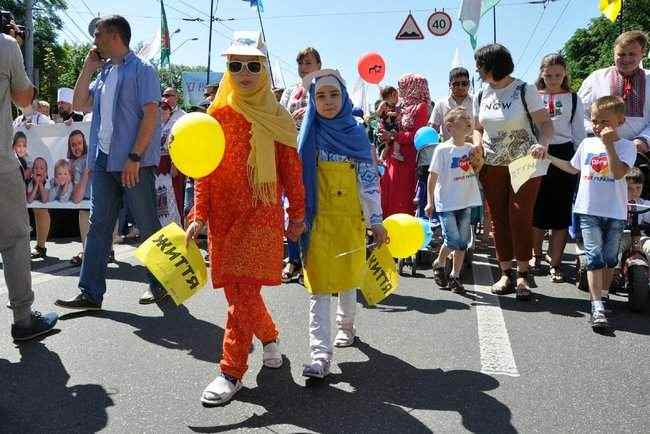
{"x":610,"y":8}
{"x":179,"y":269}
{"x":381,"y":278}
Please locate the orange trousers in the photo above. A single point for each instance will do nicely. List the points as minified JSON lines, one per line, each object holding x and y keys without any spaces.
{"x":247,"y":317}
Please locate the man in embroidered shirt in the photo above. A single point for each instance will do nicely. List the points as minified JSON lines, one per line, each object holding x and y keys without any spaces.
{"x":123,"y":151}
{"x":628,"y":80}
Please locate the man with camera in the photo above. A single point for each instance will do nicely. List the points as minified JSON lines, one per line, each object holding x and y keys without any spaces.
{"x":14,"y":230}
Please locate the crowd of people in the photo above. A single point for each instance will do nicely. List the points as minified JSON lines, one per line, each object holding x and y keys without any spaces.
{"x":305,"y":152}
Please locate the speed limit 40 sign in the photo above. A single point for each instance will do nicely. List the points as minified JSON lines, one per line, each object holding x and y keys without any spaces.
{"x":439,"y":23}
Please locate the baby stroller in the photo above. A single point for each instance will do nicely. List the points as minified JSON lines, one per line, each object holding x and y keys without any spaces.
{"x":633,"y":277}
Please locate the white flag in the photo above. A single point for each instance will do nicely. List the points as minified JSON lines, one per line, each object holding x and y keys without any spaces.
{"x":150,"y":50}
{"x":470,"y":16}
{"x":455,"y":62}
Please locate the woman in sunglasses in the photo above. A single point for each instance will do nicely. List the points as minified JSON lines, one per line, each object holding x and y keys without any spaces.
{"x":240,"y":203}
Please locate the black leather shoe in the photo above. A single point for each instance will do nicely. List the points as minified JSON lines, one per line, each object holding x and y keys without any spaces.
{"x":80,"y":302}
{"x":148,"y":298}
{"x":39,"y":253}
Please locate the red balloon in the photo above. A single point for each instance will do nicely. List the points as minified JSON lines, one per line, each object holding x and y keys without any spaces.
{"x":372,"y":68}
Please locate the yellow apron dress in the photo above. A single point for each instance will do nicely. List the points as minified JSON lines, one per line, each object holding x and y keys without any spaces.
{"x":338,"y":227}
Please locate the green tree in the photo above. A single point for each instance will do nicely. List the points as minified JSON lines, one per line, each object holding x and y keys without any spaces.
{"x":593,"y":48}
{"x":47,"y":52}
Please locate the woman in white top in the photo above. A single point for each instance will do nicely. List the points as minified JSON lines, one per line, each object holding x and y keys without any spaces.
{"x":506,"y":110}
{"x":555,"y":197}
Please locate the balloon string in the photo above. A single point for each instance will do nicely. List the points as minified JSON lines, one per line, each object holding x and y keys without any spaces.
{"x":355,"y":250}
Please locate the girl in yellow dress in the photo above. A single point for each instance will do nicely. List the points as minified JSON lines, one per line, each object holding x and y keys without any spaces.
{"x":342,"y":198}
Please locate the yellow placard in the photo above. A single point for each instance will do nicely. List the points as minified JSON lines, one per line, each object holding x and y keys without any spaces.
{"x":179,"y":268}
{"x":525,"y":168}
{"x":380,"y":278}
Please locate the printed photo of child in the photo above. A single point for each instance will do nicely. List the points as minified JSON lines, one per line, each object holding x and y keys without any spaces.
{"x":61,"y":189}
{"x":77,"y":150}
{"x":36,"y":189}
{"x":20,"y":148}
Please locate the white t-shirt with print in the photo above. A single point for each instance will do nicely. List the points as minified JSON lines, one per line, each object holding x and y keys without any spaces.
{"x":507,"y":132}
{"x":599,"y":194}
{"x":443,"y":106}
{"x":457,"y":185}
{"x":560,"y":107}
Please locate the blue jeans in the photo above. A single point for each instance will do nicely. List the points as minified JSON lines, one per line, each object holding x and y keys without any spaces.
{"x":189,"y":196}
{"x":601,"y":237}
{"x":456,"y":228}
{"x":293,"y":251}
{"x":105,"y":203}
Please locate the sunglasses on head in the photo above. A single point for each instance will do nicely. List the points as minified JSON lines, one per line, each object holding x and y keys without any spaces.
{"x":460,"y":84}
{"x":236,"y":66}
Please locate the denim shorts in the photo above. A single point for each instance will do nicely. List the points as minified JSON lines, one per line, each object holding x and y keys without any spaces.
{"x":601,"y":237}
{"x":456,"y":228}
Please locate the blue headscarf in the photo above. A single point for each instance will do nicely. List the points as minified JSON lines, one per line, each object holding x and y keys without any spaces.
{"x":341,"y":135}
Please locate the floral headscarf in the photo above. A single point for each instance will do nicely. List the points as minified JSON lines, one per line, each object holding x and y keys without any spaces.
{"x":413,"y":90}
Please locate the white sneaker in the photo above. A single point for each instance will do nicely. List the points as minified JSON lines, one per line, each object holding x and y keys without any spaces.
{"x":271,"y":355}
{"x":319,"y":368}
{"x":220,"y":391}
{"x":344,"y":338}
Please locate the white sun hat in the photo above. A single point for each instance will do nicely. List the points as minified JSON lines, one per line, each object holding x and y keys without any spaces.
{"x":247,"y":43}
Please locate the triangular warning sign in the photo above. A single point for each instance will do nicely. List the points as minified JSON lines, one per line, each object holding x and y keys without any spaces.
{"x":409,"y":30}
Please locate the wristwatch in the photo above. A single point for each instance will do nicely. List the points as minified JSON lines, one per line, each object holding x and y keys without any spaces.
{"x":134,"y":157}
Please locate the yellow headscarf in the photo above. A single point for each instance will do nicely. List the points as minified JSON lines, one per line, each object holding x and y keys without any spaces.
{"x":270,"y":123}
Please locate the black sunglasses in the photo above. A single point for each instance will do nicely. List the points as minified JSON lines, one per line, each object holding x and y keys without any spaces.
{"x":253,"y":67}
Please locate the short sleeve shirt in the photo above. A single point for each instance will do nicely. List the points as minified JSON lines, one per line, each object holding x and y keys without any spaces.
{"x":457,"y":185}
{"x":507,"y":132}
{"x":12,"y":78}
{"x":599,"y":194}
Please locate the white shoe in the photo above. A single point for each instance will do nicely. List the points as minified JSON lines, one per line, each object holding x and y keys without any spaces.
{"x":344,"y":338}
{"x":319,"y":368}
{"x":220,"y":391}
{"x":271,"y":356}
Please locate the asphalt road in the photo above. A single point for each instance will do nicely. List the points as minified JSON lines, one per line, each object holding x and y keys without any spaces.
{"x":426,"y":361}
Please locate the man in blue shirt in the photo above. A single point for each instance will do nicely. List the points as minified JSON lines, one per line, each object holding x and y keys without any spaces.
{"x":123,"y":152}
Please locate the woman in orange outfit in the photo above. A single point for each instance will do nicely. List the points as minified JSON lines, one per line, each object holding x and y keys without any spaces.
{"x":241,"y":203}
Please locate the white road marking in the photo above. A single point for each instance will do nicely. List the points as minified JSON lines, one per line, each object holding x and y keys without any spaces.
{"x":496,"y":352}
{"x":54,"y":271}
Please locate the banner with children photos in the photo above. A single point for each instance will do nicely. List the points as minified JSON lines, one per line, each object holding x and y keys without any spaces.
{"x":49,"y":155}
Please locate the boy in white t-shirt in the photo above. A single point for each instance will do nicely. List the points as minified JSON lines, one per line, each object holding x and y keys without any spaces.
{"x":601,"y":203}
{"x":454,"y":186}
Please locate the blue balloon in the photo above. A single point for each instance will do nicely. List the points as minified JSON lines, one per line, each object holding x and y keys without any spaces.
{"x":428,"y":232}
{"x":424,"y":137}
{"x":381,"y":169}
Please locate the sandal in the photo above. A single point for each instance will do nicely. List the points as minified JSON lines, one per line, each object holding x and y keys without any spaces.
{"x":507,"y":286}
{"x":537,"y":263}
{"x":440,"y":277}
{"x":291,"y":271}
{"x":78,"y":259}
{"x":319,"y":368}
{"x":523,"y":292}
{"x":556,"y":275}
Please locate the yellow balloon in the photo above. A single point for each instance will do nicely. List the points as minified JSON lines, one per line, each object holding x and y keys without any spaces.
{"x":196,"y":144}
{"x":405,"y":234}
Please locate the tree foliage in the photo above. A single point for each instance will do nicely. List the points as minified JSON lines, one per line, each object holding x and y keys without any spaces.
{"x":593,"y":48}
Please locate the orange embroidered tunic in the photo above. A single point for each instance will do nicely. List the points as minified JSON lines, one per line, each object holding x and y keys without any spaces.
{"x":246,"y":239}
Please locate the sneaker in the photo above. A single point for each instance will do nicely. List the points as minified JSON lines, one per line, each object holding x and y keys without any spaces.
{"x":456,"y":286}
{"x":271,"y":355}
{"x":319,"y":368}
{"x":607,"y":307}
{"x":344,"y":338}
{"x":440,"y":277}
{"x":221,"y":390}
{"x":599,"y":321}
{"x":147,"y":297}
{"x":80,"y":302}
{"x":39,"y":325}
{"x":39,"y":253}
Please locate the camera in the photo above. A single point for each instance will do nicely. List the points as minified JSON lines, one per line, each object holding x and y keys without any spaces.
{"x":8,"y":25}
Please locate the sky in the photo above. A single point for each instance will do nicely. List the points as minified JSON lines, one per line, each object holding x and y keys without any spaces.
{"x":343,"y":30}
